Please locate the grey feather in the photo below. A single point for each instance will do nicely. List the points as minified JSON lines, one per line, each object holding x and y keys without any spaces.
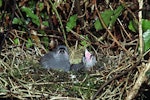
{"x":57,"y":59}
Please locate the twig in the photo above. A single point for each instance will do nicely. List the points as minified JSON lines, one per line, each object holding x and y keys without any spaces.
{"x":10,"y":24}
{"x":122,"y":25}
{"x":140,"y":26}
{"x":104,"y":25}
{"x":116,"y":77}
{"x":61,"y":25}
{"x":141,"y":79}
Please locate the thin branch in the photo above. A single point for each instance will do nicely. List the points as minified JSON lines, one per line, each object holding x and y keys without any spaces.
{"x":140,"y":26}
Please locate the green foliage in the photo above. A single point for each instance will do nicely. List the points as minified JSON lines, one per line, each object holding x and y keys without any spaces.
{"x":46,"y":41}
{"x":98,"y":25}
{"x":133,"y":25}
{"x":16,"y":41}
{"x":30,"y":14}
{"x":32,"y":4}
{"x":1,"y":3}
{"x":109,"y":17}
{"x":145,"y":24}
{"x":116,"y":14}
{"x":84,"y":42}
{"x":146,"y":38}
{"x":45,"y":23}
{"x":17,"y":21}
{"x":29,"y":43}
{"x":71,"y":23}
{"x":41,"y":6}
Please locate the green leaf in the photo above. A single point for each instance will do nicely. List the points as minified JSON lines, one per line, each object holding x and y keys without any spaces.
{"x":109,"y":17}
{"x":117,"y":12}
{"x":30,"y":14}
{"x":17,"y":21}
{"x":71,"y":23}
{"x":46,"y":41}
{"x":1,"y":3}
{"x":145,"y":24}
{"x":84,"y":42}
{"x":106,"y":16}
{"x":41,"y":6}
{"x":146,"y":38}
{"x":98,"y":25}
{"x":29,"y":43}
{"x":133,"y":25}
{"x":45,"y":23}
{"x":16,"y":41}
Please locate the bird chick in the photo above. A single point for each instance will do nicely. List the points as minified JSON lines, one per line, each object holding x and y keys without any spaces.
{"x":88,"y":61}
{"x":56,"y":59}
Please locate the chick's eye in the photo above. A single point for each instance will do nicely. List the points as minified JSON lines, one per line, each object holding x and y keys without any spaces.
{"x":61,"y":50}
{"x":91,"y":56}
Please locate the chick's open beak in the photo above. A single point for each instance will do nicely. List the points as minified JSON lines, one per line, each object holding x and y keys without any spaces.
{"x":87,"y":55}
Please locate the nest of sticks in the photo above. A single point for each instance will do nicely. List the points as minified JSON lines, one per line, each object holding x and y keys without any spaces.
{"x":115,"y":77}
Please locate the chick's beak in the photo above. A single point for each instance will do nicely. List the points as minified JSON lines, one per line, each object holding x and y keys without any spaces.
{"x":87,"y":55}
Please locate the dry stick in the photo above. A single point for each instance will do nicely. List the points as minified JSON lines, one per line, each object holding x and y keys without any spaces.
{"x":104,"y":25}
{"x":79,"y":12}
{"x":71,"y":10}
{"x":140,"y":26}
{"x":122,"y":25}
{"x":10,"y":24}
{"x":61,"y":25}
{"x":120,"y":46}
{"x":124,"y":5}
{"x":128,"y":70}
{"x":142,"y":76}
{"x":118,"y":76}
{"x":140,"y":80}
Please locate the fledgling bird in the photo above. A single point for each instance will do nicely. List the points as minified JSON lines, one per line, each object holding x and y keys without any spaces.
{"x":88,"y":61}
{"x":57,"y":59}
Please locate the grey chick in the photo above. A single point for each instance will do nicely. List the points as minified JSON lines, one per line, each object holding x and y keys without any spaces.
{"x":88,"y":61}
{"x":57,"y":59}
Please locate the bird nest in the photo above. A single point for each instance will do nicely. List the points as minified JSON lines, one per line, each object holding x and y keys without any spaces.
{"x":113,"y":77}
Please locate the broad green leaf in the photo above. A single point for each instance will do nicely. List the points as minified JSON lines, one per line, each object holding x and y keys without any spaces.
{"x":109,"y":17}
{"x":98,"y":25}
{"x":30,"y":14}
{"x":146,"y":38}
{"x":106,"y":16}
{"x":71,"y":23}
{"x":133,"y":25}
{"x":145,"y":24}
{"x":117,"y":12}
